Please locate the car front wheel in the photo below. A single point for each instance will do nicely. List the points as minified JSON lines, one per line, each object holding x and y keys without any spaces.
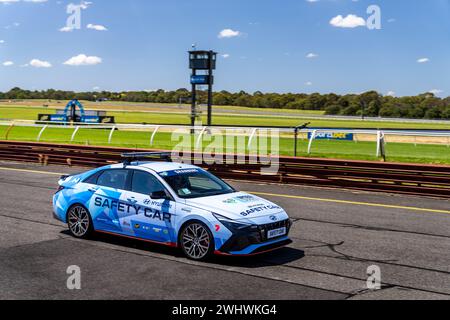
{"x":196,"y":241}
{"x":79,"y":222}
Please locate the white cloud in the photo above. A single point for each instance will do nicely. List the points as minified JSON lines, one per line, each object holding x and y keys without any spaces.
{"x":312,"y":55}
{"x":8,"y":1}
{"x":350,"y":21}
{"x":436,"y":91}
{"x":423,"y":60}
{"x":85,"y":4}
{"x":229,"y":33}
{"x":390,"y":94}
{"x":66,"y":29}
{"x":2,"y":41}
{"x":97,"y":27}
{"x":8,"y":63}
{"x":225,"y":55}
{"x":309,"y":83}
{"x":40,"y":64}
{"x":83,"y":60}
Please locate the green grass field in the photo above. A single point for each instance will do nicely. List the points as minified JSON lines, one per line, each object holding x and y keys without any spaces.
{"x":152,"y":113}
{"x":398,"y":152}
{"x":181,"y":118}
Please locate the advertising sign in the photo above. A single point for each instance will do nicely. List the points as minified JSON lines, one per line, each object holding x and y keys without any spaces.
{"x":333,"y":136}
{"x":200,"y":79}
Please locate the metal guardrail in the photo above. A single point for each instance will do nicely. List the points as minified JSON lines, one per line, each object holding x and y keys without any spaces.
{"x":428,"y":180}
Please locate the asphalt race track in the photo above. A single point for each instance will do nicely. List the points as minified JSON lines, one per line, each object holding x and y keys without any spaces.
{"x":337,"y":235}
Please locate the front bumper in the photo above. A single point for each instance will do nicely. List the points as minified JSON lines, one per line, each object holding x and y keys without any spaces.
{"x":251,"y":241}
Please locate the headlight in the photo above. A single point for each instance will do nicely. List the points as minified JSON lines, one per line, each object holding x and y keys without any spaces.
{"x":233,"y":225}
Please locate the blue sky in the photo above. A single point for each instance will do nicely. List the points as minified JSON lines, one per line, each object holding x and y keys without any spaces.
{"x":267,"y":45}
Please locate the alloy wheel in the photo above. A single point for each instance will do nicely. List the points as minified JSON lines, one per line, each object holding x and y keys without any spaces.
{"x":79,"y":221}
{"x":196,"y":241}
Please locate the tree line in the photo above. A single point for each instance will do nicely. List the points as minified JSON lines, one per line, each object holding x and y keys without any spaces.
{"x":368,"y":104}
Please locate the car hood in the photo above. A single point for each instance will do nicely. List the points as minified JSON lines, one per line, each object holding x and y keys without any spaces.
{"x":237,"y":206}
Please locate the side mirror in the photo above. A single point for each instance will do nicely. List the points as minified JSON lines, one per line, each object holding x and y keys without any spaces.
{"x":159,"y":195}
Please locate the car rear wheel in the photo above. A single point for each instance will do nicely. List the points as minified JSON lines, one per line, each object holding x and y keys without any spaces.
{"x":196,"y":241}
{"x":79,"y":222}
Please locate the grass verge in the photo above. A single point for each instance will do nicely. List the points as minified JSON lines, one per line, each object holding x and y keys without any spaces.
{"x":396,"y":152}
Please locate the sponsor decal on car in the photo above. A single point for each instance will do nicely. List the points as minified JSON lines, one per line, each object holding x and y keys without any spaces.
{"x":259,"y":209}
{"x":129,"y":208}
{"x":240,"y":199}
{"x":230,"y":201}
{"x":178,"y":172}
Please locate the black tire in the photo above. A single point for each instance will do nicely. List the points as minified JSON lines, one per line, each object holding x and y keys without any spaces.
{"x":196,"y":241}
{"x":79,"y":222}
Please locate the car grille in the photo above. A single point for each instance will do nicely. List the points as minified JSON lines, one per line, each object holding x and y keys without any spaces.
{"x":276,"y":225}
{"x":247,"y":237}
{"x":265,"y":228}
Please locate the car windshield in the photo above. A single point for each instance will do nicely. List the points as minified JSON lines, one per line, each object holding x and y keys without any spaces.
{"x":195,"y":183}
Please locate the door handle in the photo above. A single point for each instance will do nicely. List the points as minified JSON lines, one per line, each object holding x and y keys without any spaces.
{"x":93,"y":190}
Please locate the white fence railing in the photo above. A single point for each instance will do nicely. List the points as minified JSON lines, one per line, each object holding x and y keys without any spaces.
{"x":381,"y":137}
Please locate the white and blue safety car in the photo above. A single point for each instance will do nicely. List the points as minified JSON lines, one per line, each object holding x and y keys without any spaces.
{"x":172,"y":204}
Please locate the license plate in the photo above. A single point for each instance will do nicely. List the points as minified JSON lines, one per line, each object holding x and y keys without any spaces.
{"x":276,"y":233}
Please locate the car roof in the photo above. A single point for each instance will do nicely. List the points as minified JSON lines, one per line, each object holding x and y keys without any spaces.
{"x":158,"y":166}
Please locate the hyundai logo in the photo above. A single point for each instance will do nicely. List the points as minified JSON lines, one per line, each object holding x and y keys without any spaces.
{"x":273,"y":218}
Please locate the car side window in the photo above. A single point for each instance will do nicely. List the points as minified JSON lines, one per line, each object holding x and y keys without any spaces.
{"x":145,"y":183}
{"x":93,"y":178}
{"x":115,"y":179}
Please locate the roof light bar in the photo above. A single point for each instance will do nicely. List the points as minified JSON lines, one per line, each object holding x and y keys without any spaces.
{"x":138,"y":156}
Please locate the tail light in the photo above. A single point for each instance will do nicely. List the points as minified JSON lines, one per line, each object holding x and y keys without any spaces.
{"x":60,"y":188}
